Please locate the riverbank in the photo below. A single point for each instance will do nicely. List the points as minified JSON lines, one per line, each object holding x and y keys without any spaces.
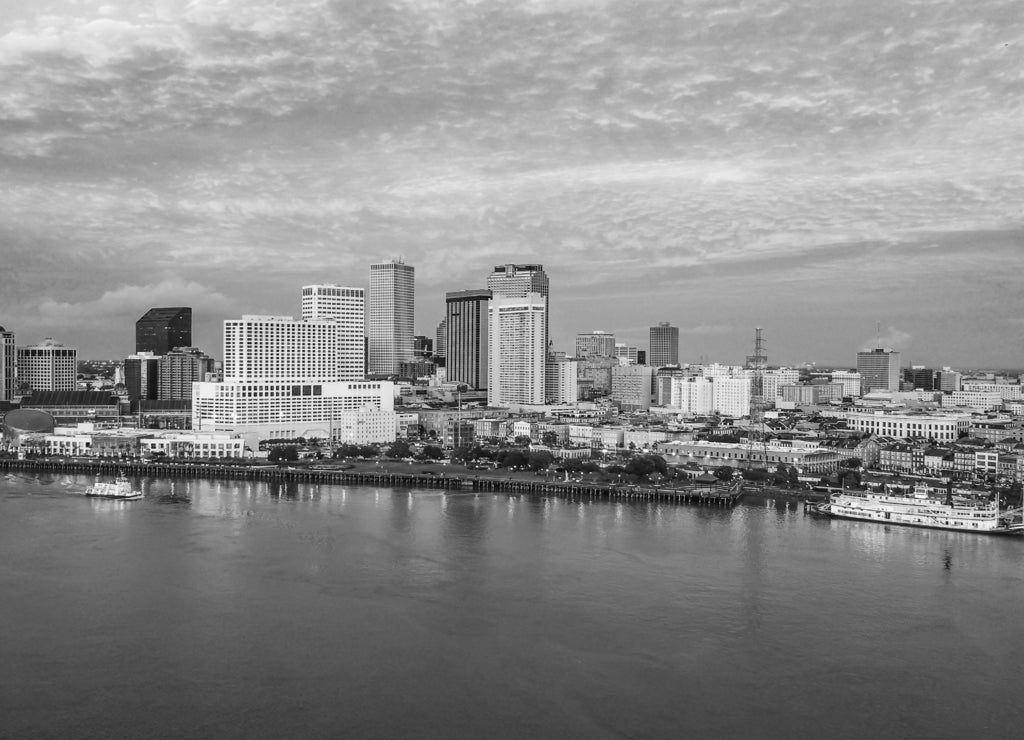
{"x":399,"y":475}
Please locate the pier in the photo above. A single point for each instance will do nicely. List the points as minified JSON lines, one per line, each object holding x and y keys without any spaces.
{"x":724,"y":495}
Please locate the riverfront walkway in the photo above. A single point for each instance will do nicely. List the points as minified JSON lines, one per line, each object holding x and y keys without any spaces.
{"x":722,"y":494}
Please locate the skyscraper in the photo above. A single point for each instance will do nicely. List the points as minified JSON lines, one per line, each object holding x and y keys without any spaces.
{"x":162,"y":329}
{"x":346,"y":307}
{"x":664,"y":345}
{"x":467,"y":337}
{"x":48,"y":366}
{"x":879,"y":369}
{"x":517,"y":350}
{"x":390,"y":313}
{"x":8,"y":364}
{"x":520,"y":281}
{"x":441,"y":339}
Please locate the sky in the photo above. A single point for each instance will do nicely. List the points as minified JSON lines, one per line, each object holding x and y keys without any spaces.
{"x":837,"y":172}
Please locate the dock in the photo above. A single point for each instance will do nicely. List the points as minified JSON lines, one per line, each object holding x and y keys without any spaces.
{"x":724,"y":495}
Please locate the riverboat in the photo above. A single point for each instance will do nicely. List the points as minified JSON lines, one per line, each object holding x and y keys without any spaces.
{"x":121,"y":489}
{"x":903,"y":505}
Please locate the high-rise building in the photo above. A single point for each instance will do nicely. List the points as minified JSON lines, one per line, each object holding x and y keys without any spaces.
{"x":949,"y":380}
{"x":389,"y":316}
{"x":281,"y":380}
{"x":879,"y":369}
{"x":595,"y":344}
{"x":520,"y":281}
{"x":346,"y":307}
{"x":850,"y":380}
{"x":8,"y":365}
{"x":142,"y":376}
{"x":517,"y":350}
{"x":48,"y":366}
{"x":664,"y":345}
{"x":466,"y":325}
{"x":179,"y":369}
{"x":163,"y":329}
{"x":441,"y":340}
{"x":632,"y":387}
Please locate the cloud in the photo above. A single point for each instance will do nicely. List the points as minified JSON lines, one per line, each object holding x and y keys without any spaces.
{"x":890,"y":338}
{"x":131,"y":301}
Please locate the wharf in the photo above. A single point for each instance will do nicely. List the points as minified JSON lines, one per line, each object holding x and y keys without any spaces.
{"x":723,"y":495}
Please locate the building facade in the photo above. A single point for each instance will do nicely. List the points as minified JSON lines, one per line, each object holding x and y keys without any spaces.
{"x":8,"y":365}
{"x":390,"y":316}
{"x":178,"y":370}
{"x":142,"y":376}
{"x":595,"y":344}
{"x":467,"y":329}
{"x":632,"y":387}
{"x":162,"y":329}
{"x":664,"y":345}
{"x":562,"y":386}
{"x":48,"y":366}
{"x":879,"y":370}
{"x":346,"y":307}
{"x":517,"y":350}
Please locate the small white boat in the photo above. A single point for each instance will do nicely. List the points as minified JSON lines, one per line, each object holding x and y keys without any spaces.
{"x":119,"y":489}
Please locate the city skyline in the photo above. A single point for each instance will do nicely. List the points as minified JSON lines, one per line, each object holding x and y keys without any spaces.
{"x":813,"y":170}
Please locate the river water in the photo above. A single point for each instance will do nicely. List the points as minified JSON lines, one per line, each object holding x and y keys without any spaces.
{"x":235,"y":609}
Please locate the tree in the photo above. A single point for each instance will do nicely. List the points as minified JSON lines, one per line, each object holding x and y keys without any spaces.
{"x":288,"y":453}
{"x":851,"y":462}
{"x":540,"y":459}
{"x":399,"y":448}
{"x":514,"y":458}
{"x":723,"y":472}
{"x":522,"y":439}
{"x":432,"y":452}
{"x":549,"y":438}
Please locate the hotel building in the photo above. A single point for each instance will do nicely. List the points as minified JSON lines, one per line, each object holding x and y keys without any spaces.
{"x":48,"y":366}
{"x":517,"y":350}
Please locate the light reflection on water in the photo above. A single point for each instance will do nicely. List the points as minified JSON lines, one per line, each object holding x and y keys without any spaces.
{"x":493,"y":615}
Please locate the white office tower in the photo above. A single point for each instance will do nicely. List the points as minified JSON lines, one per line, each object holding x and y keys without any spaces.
{"x":48,"y":366}
{"x":346,"y":307}
{"x":282,"y":381}
{"x":517,"y":351}
{"x":732,"y":396}
{"x":562,"y":386}
{"x":389,"y":316}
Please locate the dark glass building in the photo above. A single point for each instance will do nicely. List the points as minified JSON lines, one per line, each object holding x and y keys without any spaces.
{"x":163,"y":329}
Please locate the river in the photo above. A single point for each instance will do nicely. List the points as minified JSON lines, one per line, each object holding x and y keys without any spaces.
{"x":237,"y":609}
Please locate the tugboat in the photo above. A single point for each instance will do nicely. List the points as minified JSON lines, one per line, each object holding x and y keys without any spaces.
{"x":119,"y":489}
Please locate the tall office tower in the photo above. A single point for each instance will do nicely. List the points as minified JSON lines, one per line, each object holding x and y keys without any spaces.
{"x":178,"y":370}
{"x":142,"y":376}
{"x":346,"y":307}
{"x":664,"y":345}
{"x":281,"y":380}
{"x":466,"y":324}
{"x":595,"y":344}
{"x":879,"y":369}
{"x":8,"y":365}
{"x":441,"y":339}
{"x":163,"y":329}
{"x":390,"y":310}
{"x":517,"y":350}
{"x":48,"y":366}
{"x":519,"y":281}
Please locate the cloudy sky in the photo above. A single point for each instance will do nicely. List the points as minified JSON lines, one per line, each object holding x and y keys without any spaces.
{"x":817,"y":168}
